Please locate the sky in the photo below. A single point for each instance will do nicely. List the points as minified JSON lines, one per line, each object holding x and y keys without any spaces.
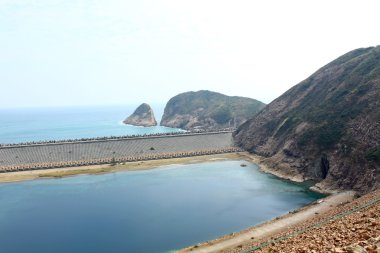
{"x":118,"y":52}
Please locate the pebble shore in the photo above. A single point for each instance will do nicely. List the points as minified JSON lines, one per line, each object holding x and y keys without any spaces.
{"x":356,"y":232}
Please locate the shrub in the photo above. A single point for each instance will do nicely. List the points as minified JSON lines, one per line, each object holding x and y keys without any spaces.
{"x":329,"y":134}
{"x":325,"y":136}
{"x":222,"y":114}
{"x":373,"y":154}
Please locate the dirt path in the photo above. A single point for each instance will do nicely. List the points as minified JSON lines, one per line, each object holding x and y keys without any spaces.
{"x":274,"y":226}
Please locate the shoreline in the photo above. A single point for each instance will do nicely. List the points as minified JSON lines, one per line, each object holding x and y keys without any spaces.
{"x":271,"y":227}
{"x":279,"y":224}
{"x":266,"y":169}
{"x":19,"y":176}
{"x":259,"y":161}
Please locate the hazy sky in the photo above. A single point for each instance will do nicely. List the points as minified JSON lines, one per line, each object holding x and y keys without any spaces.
{"x":84,"y":52}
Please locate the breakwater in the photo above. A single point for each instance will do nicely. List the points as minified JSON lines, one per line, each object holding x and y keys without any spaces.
{"x":44,"y":155}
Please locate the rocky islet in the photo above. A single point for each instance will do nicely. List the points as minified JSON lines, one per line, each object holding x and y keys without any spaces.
{"x":142,"y":116}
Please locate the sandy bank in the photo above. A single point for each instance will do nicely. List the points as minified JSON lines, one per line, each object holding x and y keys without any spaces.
{"x":99,"y":169}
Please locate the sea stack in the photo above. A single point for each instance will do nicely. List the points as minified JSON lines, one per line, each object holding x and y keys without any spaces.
{"x":143,"y":116}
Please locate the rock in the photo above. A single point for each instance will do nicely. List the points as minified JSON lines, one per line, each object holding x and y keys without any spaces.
{"x":377,"y":244}
{"x":208,"y":110}
{"x":356,"y":249}
{"x":338,"y":250}
{"x":143,"y":116}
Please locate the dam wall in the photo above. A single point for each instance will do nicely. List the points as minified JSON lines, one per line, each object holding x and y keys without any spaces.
{"x":102,"y":151}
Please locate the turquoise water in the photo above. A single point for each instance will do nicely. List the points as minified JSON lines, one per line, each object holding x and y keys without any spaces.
{"x":142,"y":211}
{"x":37,"y":124}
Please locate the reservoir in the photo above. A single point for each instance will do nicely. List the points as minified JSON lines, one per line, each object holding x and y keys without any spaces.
{"x":156,"y":210}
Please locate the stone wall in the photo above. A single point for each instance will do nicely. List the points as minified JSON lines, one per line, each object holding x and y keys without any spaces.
{"x":53,"y":155}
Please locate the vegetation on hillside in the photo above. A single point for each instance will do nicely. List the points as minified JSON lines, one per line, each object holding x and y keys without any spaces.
{"x":336,"y":111}
{"x":208,"y":109}
{"x":373,"y":154}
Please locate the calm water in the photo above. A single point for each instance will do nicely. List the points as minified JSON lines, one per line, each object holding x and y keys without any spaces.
{"x":145,"y":211}
{"x":36,"y":124}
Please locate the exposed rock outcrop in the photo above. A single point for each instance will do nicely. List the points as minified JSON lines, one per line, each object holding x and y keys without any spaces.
{"x":208,"y":110}
{"x":143,"y":116}
{"x":327,"y":127}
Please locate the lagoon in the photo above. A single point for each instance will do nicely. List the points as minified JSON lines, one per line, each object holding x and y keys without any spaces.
{"x":155,"y":210}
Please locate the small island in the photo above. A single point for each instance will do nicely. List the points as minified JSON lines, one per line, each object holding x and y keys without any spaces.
{"x":142,"y":116}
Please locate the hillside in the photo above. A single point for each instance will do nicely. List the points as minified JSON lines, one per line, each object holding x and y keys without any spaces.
{"x":208,"y":110}
{"x":325,"y":128}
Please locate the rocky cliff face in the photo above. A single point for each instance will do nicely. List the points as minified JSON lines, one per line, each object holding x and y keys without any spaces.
{"x":208,"y":110}
{"x":143,"y":116}
{"x":327,"y":127}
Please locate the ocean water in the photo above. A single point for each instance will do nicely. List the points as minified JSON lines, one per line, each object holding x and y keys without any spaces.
{"x":39,"y":124}
{"x":142,"y":211}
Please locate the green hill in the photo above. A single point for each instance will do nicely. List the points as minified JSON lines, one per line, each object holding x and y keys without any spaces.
{"x":208,"y":110}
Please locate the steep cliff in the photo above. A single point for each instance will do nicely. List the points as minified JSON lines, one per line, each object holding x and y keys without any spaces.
{"x":208,"y":110}
{"x":327,"y":127}
{"x":143,"y":116}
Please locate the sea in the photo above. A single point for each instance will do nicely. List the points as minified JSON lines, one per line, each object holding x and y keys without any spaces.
{"x":62,"y":123}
